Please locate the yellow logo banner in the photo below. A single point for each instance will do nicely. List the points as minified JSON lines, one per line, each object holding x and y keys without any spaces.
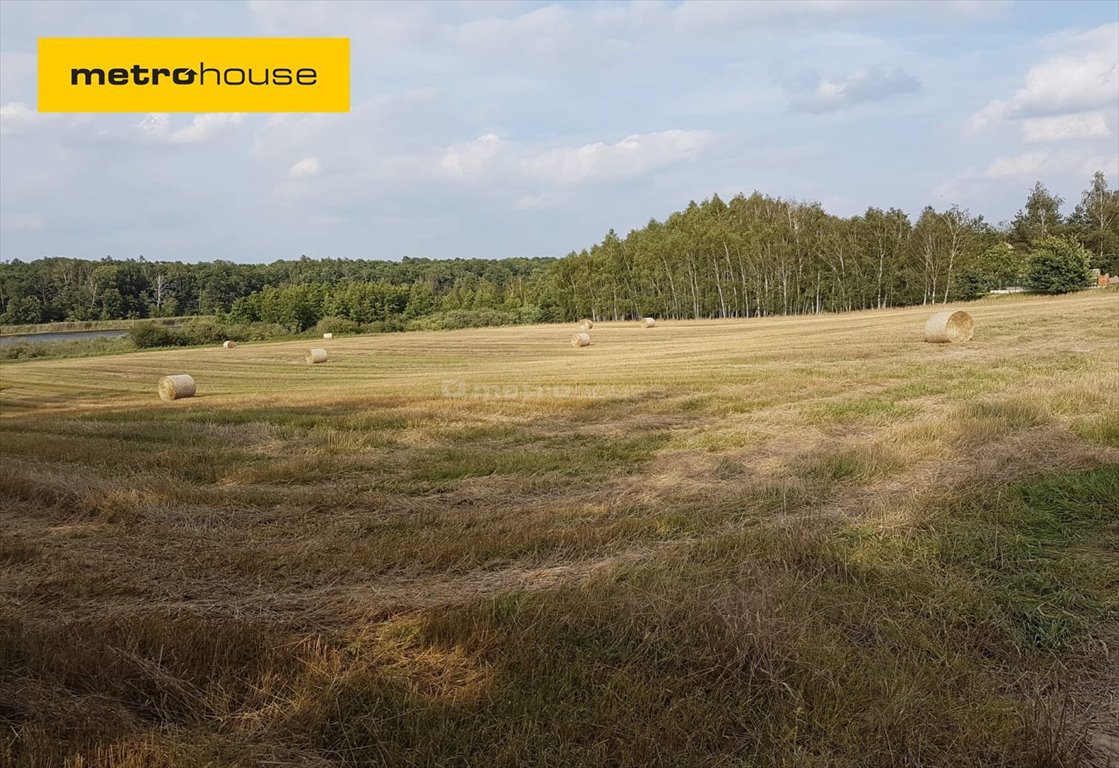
{"x":199,"y":74}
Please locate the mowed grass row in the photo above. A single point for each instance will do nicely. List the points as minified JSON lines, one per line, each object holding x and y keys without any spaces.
{"x":786,"y":541}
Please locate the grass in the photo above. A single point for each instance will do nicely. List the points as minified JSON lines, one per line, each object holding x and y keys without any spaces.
{"x":86,"y":325}
{"x":782,"y":542}
{"x":27,"y":350}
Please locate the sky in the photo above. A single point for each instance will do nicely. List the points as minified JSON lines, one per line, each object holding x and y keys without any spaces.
{"x":490,"y":130}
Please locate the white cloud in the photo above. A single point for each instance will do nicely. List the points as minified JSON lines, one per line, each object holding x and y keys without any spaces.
{"x":991,"y":114}
{"x":1067,"y":168}
{"x":1031,"y":163}
{"x":722,"y":14}
{"x":632,"y":156}
{"x":563,"y":38}
{"x":874,"y":84}
{"x":204,"y":127}
{"x":305,"y":168}
{"x":1070,"y":83}
{"x":387,"y":124}
{"x":467,"y":159}
{"x":17,"y":117}
{"x":1076,"y":126}
{"x":282,"y":133}
{"x":156,"y":127}
{"x":1038,"y":163}
{"x":388,"y":22}
{"x":1080,"y":80}
{"x":545,"y":26}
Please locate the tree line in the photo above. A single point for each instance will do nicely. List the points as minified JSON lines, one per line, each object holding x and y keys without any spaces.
{"x":751,"y":256}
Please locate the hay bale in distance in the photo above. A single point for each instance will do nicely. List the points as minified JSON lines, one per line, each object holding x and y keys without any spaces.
{"x":228,"y":344}
{"x":177,"y":386}
{"x":649,"y":322}
{"x":953,"y":325}
{"x":316,"y":355}
{"x":581,"y":340}
{"x":586,"y":325}
{"x":328,"y":335}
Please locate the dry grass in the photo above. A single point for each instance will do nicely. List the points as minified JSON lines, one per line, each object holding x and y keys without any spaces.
{"x":781,"y":542}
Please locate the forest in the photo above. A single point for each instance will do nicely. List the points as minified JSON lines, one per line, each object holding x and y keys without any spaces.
{"x":751,"y":256}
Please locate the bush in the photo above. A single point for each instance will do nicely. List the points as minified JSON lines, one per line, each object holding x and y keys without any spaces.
{"x":204,"y":330}
{"x":1058,"y":265}
{"x":476,"y":318}
{"x":148,"y":335}
{"x":335,"y":324}
{"x":391,"y":325}
{"x":254,"y":331}
{"x":973,"y":283}
{"x":531,"y":315}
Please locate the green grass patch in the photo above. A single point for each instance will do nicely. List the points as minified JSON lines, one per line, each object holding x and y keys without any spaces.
{"x":864,"y":410}
{"x":1045,"y":555}
{"x":1012,"y":414}
{"x":1099,"y":428}
{"x":862,"y":463}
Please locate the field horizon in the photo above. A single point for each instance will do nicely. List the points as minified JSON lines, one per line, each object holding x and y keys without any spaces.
{"x":781,"y":541}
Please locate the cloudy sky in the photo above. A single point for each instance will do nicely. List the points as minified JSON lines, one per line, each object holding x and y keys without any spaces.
{"x":524,"y":129}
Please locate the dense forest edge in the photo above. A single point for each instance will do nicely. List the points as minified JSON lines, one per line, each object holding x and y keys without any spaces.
{"x":752,"y":256}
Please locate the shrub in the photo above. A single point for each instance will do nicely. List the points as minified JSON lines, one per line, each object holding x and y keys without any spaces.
{"x":530,"y":315}
{"x":973,"y":283}
{"x":204,"y":330}
{"x":254,"y":331}
{"x":475,"y":318}
{"x":335,"y":324}
{"x":148,"y":335}
{"x":27,"y":350}
{"x":1058,"y":265}
{"x":391,"y":325}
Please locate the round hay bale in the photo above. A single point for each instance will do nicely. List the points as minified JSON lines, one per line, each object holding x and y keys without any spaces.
{"x":586,"y":325}
{"x":174,"y":387}
{"x":228,"y":344}
{"x":316,"y":355}
{"x":328,"y":335}
{"x":954,"y":325}
{"x":649,"y":322}
{"x":581,"y":340}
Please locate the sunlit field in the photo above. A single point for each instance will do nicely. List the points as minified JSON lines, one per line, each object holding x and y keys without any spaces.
{"x":769,"y":542}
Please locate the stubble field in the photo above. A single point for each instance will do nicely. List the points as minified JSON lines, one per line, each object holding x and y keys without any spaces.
{"x":772,"y":542}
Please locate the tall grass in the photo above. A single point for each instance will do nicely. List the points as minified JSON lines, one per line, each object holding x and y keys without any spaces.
{"x":86,"y":325}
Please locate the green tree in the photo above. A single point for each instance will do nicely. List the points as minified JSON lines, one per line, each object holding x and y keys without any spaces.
{"x":112,"y":304}
{"x":1005,"y":265}
{"x":297,"y":307}
{"x":1058,"y":265}
{"x":421,"y":301}
{"x":25,"y":309}
{"x":1040,"y":217}
{"x":998,"y":266}
{"x":1095,"y":223}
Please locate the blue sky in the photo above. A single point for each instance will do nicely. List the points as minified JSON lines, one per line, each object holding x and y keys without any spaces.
{"x":523,"y":129}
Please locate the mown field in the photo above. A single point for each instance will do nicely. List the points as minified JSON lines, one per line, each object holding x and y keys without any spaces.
{"x":774,"y":542}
